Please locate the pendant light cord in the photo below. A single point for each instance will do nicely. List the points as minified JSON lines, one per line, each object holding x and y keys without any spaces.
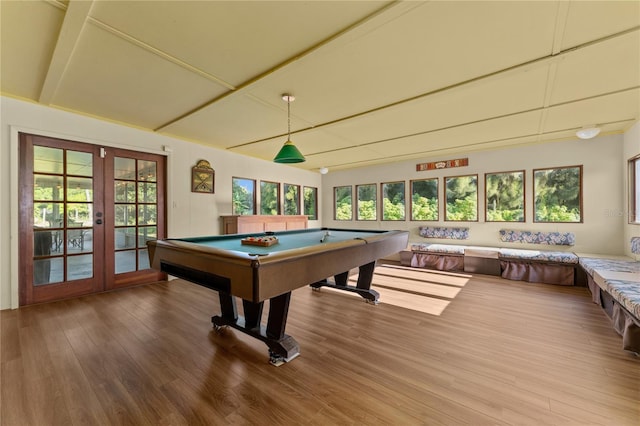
{"x":288,"y":118}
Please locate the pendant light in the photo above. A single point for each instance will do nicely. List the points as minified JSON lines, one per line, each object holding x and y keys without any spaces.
{"x":289,"y":153}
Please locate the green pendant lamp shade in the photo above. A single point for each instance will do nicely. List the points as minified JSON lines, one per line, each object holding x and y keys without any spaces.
{"x":289,"y":153}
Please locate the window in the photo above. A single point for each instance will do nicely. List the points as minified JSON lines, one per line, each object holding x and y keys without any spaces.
{"x":310,"y":196}
{"x":424,"y":199}
{"x":367,"y":202}
{"x":243,"y":194}
{"x":461,"y":194}
{"x":343,"y":204}
{"x":393,"y":207}
{"x":269,"y":198}
{"x":291,"y":199}
{"x":557,"y":194}
{"x":504,"y":196}
{"x":634,"y":190}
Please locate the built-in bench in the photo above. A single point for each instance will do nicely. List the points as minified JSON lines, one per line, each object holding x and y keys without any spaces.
{"x":545,"y":266}
{"x":615,"y":286}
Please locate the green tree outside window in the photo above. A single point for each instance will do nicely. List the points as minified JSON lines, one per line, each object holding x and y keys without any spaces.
{"x":269,"y":198}
{"x":424,"y":199}
{"x":504,"y":197}
{"x":243,"y":196}
{"x":310,"y":196}
{"x":461,"y":194}
{"x":557,"y":194}
{"x":393,"y":201}
{"x":343,"y":202}
{"x":367,"y":202}
{"x":291,"y":199}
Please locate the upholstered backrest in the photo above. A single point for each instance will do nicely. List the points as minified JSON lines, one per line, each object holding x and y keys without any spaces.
{"x":444,"y":232}
{"x":534,"y":237}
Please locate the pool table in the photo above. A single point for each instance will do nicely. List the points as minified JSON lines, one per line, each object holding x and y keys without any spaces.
{"x":256,"y":273}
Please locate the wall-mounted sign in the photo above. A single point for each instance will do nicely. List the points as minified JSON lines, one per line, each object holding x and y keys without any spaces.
{"x":202,"y":177}
{"x":460,"y":162}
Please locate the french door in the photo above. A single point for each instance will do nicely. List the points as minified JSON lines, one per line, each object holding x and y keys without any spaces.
{"x":86,"y":214}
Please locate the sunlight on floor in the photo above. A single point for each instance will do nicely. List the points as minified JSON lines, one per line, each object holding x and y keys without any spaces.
{"x":416,"y":289}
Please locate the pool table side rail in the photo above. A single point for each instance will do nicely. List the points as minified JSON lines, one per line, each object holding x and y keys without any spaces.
{"x":286,"y":273}
{"x":258,"y":278}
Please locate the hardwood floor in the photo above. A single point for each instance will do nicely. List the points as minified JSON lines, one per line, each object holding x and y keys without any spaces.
{"x":439,"y":349}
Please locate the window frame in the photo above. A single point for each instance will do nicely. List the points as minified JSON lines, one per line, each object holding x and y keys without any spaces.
{"x":233,"y":207}
{"x":278,"y":197}
{"x":437,"y":181}
{"x":284,"y":199}
{"x":335,"y":201}
{"x":524,"y":197}
{"x":633,"y":218}
{"x":315,"y":202}
{"x":404,"y":200}
{"x":580,"y":195}
{"x":375,"y":200}
{"x":446,"y":202}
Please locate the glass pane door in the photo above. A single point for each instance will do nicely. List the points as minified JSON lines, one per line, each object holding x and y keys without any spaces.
{"x":136,"y":212}
{"x":135,"y":201}
{"x":62,"y":215}
{"x":58,"y":253}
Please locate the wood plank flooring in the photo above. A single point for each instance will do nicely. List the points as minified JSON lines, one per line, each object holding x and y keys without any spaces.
{"x":440,"y":349}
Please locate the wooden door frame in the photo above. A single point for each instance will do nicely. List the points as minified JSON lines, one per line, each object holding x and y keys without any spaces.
{"x":16,"y":189}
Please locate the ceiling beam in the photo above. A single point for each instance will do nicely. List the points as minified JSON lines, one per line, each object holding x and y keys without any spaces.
{"x":74,"y":20}
{"x":398,"y":8}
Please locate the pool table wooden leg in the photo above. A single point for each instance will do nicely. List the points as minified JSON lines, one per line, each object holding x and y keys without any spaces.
{"x":363,"y":286}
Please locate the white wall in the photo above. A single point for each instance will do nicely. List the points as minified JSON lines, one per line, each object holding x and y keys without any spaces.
{"x":189,"y":214}
{"x":602,"y":230}
{"x":631,"y":150}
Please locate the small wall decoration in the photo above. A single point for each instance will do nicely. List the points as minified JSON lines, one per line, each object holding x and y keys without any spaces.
{"x":202,"y":177}
{"x":460,"y":162}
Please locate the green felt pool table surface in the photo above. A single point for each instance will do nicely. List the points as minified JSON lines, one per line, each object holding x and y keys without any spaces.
{"x":287,"y":240}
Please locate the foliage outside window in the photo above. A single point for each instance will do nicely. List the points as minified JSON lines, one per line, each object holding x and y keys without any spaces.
{"x":269,"y":198}
{"x":424,"y":199}
{"x":291,"y":199}
{"x":461,"y":194}
{"x":310,"y":196}
{"x":557,"y":194}
{"x":367,"y":202}
{"x":343,"y":202}
{"x":504,"y":196}
{"x":243,"y":195}
{"x":393,"y":205}
{"x":634,"y":190}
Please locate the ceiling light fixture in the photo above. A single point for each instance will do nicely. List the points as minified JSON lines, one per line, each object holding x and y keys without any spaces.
{"x":289,"y":153}
{"x":588,"y":132}
{"x":324,"y":170}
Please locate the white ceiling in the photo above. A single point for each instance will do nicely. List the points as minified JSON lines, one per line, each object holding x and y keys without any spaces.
{"x":374,"y":81}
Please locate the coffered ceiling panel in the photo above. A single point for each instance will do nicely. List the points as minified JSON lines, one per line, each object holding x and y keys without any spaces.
{"x":499,"y":95}
{"x":109,"y":76}
{"x":26,"y":52}
{"x":375,"y":81}
{"x":598,"y":69}
{"x":586,"y":21}
{"x":611,"y":109}
{"x":233,"y":40}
